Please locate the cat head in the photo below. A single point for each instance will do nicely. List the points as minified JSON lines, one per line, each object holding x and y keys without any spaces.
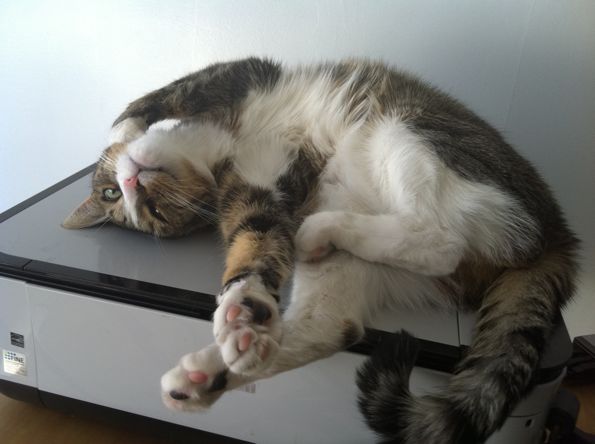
{"x":164,"y":200}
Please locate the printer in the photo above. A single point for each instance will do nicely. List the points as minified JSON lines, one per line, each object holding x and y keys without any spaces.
{"x":90,"y":320}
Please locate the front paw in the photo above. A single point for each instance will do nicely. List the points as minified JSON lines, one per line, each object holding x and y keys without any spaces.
{"x":147,"y":153}
{"x":127,"y":130}
{"x":247,"y":326}
{"x":196,"y":382}
{"x":314,"y":238}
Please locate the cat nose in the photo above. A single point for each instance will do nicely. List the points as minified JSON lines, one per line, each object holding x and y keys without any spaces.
{"x":131,"y":182}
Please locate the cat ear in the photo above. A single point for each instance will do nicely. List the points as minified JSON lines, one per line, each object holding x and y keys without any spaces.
{"x":87,"y":214}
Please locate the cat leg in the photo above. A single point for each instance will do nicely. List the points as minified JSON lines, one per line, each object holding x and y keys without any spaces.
{"x":432,"y":215}
{"x":421,"y":247}
{"x":213,"y":93}
{"x":326,"y":315}
{"x":258,"y":226}
{"x":329,"y":302}
{"x":259,"y":237}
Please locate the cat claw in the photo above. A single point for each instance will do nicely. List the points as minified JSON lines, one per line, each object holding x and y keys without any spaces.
{"x":196,"y":382}
{"x":247,"y":327}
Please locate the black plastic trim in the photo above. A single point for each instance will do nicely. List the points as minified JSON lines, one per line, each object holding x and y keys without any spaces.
{"x":20,"y":392}
{"x":432,"y":355}
{"x":129,"y":291}
{"x":12,"y":262}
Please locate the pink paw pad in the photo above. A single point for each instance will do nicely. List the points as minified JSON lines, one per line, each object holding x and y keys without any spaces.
{"x":198,"y":377}
{"x":233,"y":312}
{"x":247,"y":328}
{"x":320,"y":253}
{"x":244,"y":342}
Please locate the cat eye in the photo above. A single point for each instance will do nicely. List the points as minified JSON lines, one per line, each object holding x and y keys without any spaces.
{"x":112,"y":193}
{"x":155,"y":211}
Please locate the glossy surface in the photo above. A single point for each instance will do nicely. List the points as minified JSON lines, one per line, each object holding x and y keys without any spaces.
{"x":192,"y":263}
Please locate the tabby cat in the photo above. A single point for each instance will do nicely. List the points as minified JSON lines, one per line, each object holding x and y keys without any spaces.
{"x":386,"y":191}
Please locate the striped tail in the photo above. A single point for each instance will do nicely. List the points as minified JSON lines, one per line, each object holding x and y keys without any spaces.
{"x":517,"y":315}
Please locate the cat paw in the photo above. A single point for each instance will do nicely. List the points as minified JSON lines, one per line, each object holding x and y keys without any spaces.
{"x":127,"y":130}
{"x":196,"y":382}
{"x":314,"y":239}
{"x":247,"y":326}
{"x":146,"y":153}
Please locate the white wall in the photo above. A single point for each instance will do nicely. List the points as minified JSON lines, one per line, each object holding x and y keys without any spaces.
{"x":67,"y":68}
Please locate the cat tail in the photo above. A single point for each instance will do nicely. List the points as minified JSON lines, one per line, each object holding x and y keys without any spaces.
{"x":515,"y":320}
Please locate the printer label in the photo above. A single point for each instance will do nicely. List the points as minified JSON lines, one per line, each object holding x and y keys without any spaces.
{"x":14,"y":363}
{"x":17,"y":339}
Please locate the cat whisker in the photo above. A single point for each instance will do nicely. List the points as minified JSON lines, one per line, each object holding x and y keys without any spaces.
{"x":178,"y":200}
{"x":108,"y":161}
{"x":109,"y":219}
{"x":190,"y":197}
{"x":159,"y":245}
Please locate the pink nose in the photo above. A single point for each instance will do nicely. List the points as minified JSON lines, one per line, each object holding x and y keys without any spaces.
{"x":131,"y":182}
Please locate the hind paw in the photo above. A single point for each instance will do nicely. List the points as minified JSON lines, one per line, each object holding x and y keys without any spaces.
{"x":196,"y":382}
{"x":314,"y":238}
{"x":247,"y":327}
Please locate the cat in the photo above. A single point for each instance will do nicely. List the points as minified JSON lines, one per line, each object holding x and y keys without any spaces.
{"x":386,"y":190}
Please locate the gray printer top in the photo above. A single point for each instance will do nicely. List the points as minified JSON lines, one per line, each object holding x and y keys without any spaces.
{"x":194,"y":263}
